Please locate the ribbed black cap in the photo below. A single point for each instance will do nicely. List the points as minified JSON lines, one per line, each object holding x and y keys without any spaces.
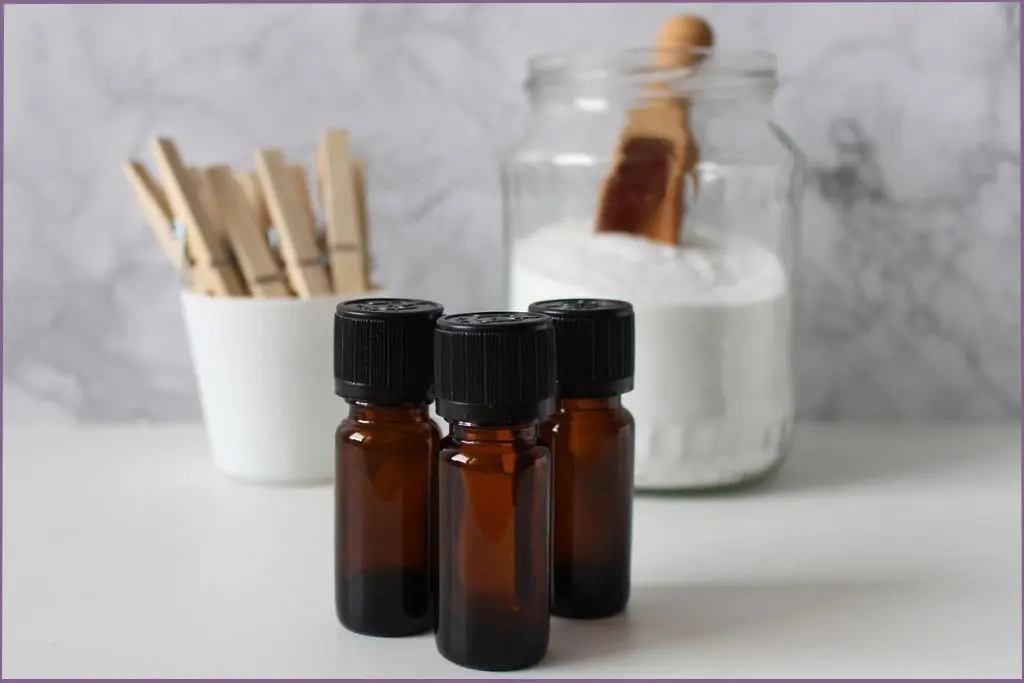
{"x":494,"y":367}
{"x":384,"y":350}
{"x":594,"y":343}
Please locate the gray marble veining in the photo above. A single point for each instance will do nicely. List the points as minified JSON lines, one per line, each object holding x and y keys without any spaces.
{"x":909,"y":114}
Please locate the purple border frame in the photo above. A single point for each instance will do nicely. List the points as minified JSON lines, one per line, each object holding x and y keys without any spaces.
{"x":191,"y":2}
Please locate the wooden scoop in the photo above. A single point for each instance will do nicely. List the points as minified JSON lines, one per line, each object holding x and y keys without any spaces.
{"x":643,"y":192}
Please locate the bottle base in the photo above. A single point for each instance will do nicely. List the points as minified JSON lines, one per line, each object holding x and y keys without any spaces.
{"x":380,"y":630}
{"x":581,"y":591}
{"x":484,"y":645}
{"x":494,"y":660}
{"x":386,"y":603}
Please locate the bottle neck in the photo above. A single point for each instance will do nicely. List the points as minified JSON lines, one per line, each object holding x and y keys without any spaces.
{"x":565,"y":405}
{"x":471,"y":432}
{"x":586,"y":101}
{"x":595,"y":82}
{"x":364,"y":411}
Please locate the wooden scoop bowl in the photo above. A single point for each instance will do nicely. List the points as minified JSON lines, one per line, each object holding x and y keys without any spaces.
{"x":644,"y":192}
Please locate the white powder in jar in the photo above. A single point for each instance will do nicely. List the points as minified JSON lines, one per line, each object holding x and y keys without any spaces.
{"x":713,"y":398}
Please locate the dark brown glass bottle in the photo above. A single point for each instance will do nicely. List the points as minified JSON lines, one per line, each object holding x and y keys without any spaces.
{"x":591,"y":436}
{"x":494,"y":374}
{"x":384,"y":448}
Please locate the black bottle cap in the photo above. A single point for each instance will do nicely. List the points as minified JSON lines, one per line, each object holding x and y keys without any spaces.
{"x":384,"y":350}
{"x":594,"y":345}
{"x":495,"y":367}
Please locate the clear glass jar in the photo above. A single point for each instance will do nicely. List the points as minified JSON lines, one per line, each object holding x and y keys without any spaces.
{"x":714,"y":383}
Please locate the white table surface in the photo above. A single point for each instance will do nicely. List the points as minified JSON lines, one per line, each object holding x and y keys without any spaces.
{"x":878,"y":551}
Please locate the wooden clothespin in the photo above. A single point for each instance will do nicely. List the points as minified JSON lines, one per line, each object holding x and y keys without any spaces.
{"x":345,"y":241}
{"x":201,"y":181}
{"x":205,"y":245}
{"x":299,"y":175}
{"x":155,"y":210}
{"x":259,"y":266}
{"x":249,"y":182}
{"x":359,"y":171}
{"x":297,"y":235}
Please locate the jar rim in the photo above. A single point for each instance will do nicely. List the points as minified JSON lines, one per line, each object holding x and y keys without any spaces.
{"x":641,"y":63}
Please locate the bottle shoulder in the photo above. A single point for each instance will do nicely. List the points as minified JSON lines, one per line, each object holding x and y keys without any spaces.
{"x":367,"y":433}
{"x":503,"y":456}
{"x":607,"y":419}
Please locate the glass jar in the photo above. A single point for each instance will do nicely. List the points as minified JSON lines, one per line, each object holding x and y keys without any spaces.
{"x":713,"y":397}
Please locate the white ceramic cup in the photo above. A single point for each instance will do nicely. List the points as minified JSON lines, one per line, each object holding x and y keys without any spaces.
{"x":266,"y":384}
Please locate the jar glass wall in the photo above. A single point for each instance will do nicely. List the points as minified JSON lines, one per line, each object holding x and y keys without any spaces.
{"x":713,"y":397}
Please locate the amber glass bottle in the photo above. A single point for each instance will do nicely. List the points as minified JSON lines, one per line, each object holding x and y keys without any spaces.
{"x":494,"y":375}
{"x":591,"y":439}
{"x":383,"y":356}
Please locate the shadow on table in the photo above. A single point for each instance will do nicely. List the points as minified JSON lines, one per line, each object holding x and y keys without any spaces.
{"x":663,"y":619}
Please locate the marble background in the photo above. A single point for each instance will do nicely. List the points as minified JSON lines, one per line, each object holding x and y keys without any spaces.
{"x":910,"y":115}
